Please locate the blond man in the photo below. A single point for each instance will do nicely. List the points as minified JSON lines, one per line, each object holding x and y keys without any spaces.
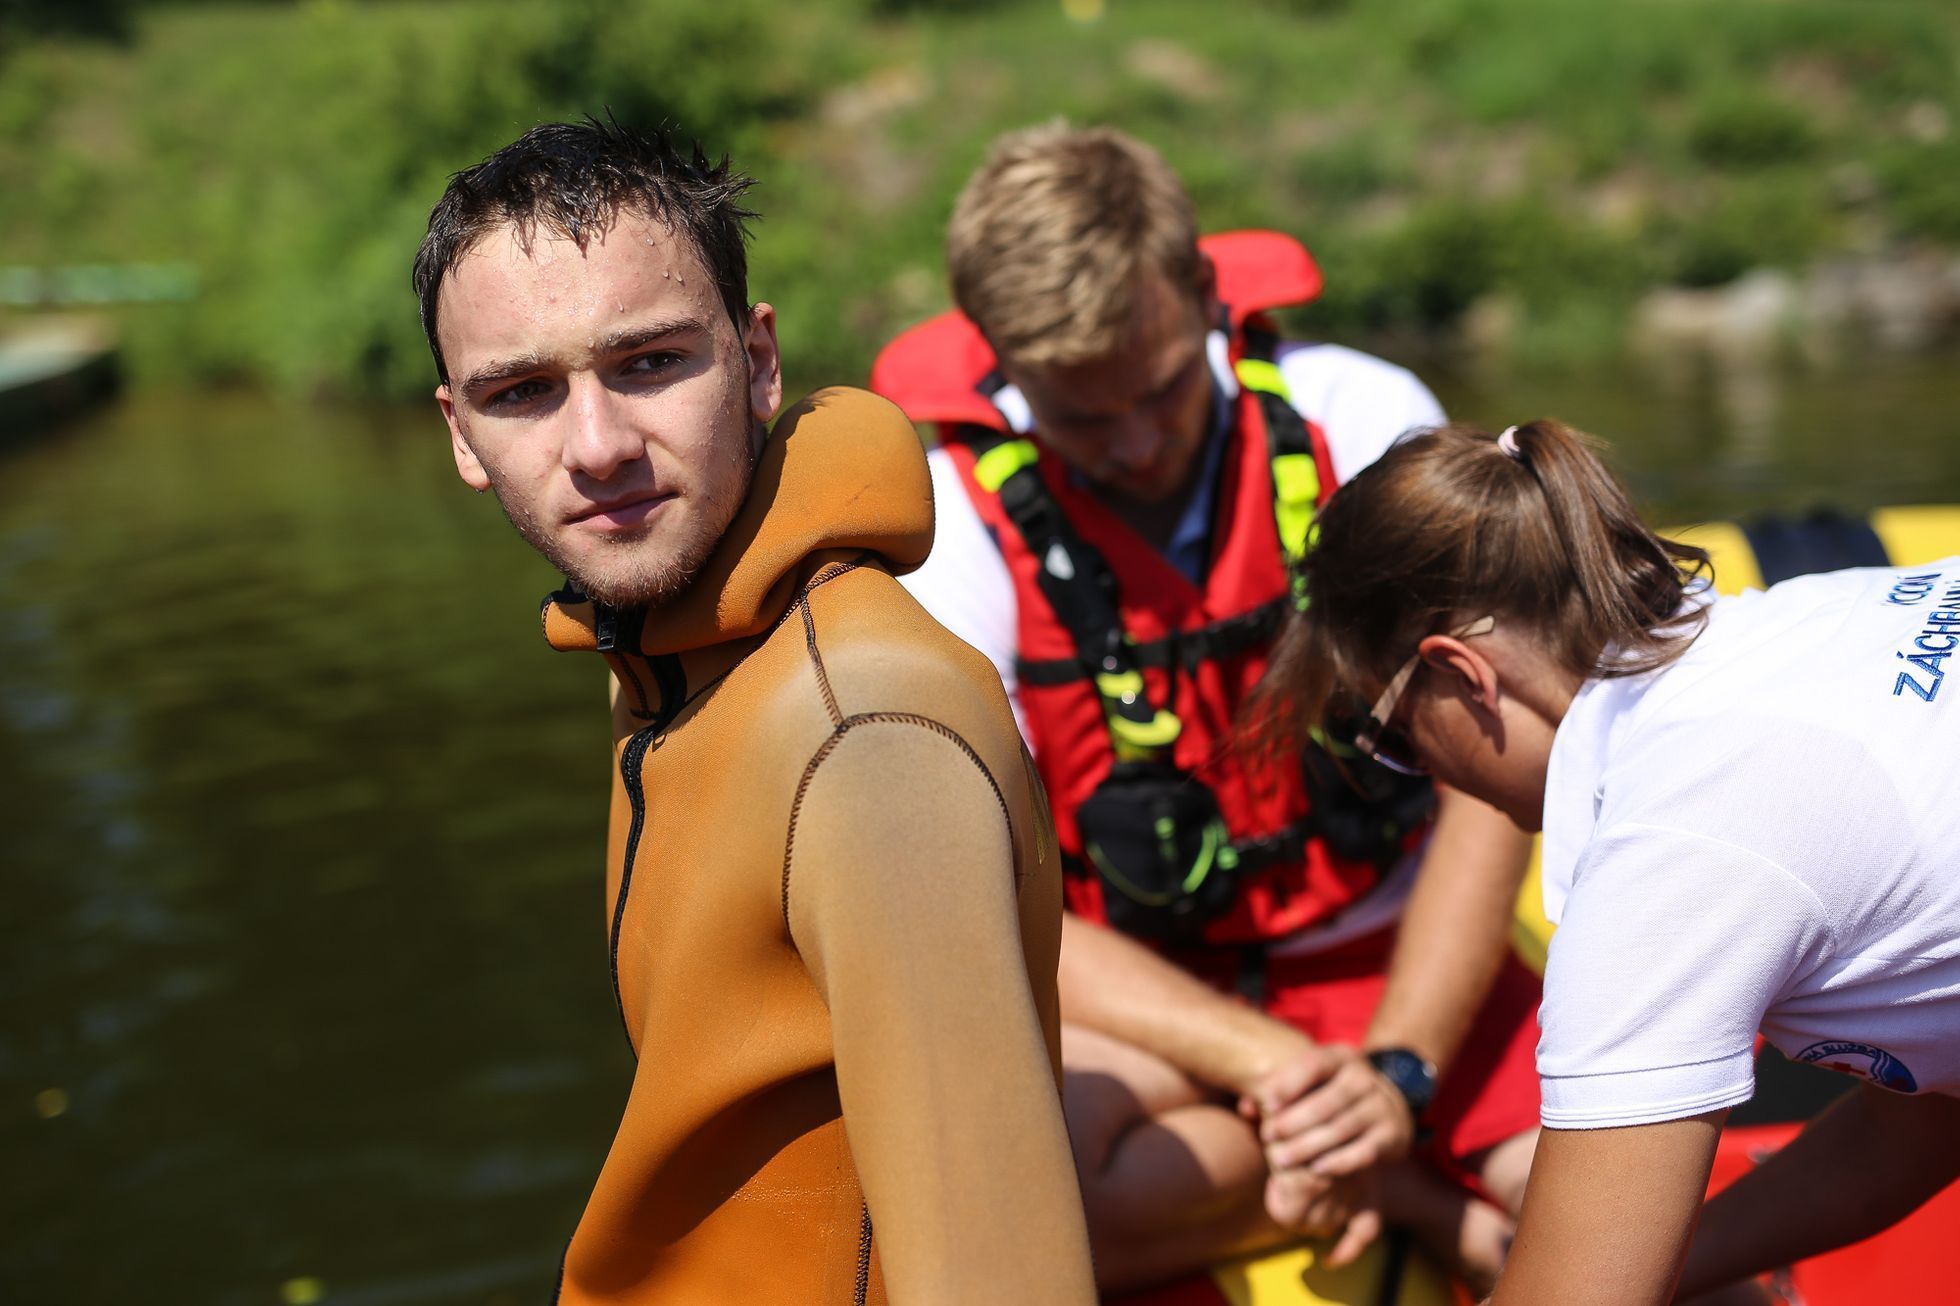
{"x":1267,"y":1005}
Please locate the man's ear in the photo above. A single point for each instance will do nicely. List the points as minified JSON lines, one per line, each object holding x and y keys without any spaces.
{"x":467,"y":465}
{"x":765,"y":363}
{"x":1456,"y":663}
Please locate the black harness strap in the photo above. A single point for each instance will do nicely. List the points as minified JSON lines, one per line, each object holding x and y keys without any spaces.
{"x":1080,"y":587}
{"x":1215,"y":641}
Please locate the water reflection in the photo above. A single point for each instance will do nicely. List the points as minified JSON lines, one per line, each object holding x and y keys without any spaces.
{"x":303,"y":831}
{"x":1725,"y":441}
{"x":302,"y":963}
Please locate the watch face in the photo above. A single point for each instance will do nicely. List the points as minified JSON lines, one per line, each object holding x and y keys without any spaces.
{"x":1413,"y":1077}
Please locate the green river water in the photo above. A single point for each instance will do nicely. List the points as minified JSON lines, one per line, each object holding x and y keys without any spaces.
{"x":303,"y":992}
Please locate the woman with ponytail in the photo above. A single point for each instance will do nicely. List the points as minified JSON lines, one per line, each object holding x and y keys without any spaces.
{"x":1751,"y":822}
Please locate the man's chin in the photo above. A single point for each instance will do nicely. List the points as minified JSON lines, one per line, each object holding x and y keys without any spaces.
{"x":647,"y":585}
{"x":650,"y":567}
{"x":641,"y":572}
{"x":634,"y":593}
{"x":1147,"y":491}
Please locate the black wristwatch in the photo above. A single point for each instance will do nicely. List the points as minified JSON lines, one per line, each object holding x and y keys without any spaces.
{"x":1413,"y":1077}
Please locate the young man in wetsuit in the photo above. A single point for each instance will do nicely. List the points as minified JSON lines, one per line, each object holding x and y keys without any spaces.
{"x":833,"y":891}
{"x":1128,"y":459}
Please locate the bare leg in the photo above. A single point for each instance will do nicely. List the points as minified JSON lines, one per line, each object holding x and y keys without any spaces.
{"x":1468,"y":1235}
{"x":1504,"y":1168}
{"x":1170,"y":1180}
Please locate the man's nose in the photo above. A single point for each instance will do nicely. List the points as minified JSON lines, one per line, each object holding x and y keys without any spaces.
{"x":602,"y":438}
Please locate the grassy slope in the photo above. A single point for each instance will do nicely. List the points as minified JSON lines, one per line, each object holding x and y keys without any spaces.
{"x":1564,"y":156}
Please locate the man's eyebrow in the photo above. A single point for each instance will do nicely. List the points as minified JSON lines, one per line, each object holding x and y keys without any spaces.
{"x":502,"y":369}
{"x":634,"y":337}
{"x":617,"y":342}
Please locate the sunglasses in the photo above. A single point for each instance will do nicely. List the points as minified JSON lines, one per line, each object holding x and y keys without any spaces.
{"x":1390,"y":745}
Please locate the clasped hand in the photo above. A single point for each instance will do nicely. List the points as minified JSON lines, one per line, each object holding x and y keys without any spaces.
{"x":1326,"y":1120}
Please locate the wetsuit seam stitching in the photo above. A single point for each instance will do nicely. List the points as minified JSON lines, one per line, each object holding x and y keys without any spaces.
{"x":836,"y":737}
{"x":816,"y":661}
{"x":830,"y":571}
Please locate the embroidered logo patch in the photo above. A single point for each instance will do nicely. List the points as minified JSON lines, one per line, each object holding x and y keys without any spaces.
{"x":1862,"y":1060}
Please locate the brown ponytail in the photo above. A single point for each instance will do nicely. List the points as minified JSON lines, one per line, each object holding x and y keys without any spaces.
{"x":1448,"y":526}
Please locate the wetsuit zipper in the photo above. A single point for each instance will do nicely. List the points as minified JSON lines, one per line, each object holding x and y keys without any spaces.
{"x":862,"y":1288}
{"x":632,"y":758}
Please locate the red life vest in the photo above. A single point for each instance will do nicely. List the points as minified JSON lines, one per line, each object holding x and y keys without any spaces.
{"x":935,"y":372}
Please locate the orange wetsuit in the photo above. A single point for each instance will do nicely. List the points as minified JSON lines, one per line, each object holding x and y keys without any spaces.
{"x":783,"y":719}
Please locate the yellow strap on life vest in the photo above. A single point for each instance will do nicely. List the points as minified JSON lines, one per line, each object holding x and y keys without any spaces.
{"x":1261,"y":374}
{"x":1135,"y":739}
{"x":1296,"y":491}
{"x":1296,"y":480}
{"x":992,"y":468}
{"x":1120,"y":684}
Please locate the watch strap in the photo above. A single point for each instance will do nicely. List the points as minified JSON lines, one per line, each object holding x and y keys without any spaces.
{"x":1412,"y":1075}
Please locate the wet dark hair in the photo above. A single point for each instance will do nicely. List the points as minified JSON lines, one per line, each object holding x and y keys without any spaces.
{"x":1447,"y":527}
{"x":573,"y":179}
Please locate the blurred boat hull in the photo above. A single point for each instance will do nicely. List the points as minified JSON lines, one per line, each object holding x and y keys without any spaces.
{"x":52,"y":369}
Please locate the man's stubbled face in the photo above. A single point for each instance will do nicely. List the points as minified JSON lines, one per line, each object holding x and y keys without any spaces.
{"x":608,"y":399}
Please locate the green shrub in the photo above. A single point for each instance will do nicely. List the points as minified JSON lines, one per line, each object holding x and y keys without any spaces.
{"x":307,"y":211}
{"x":1924,"y":185}
{"x":1735,"y":129}
{"x":1741,"y":228}
{"x":1432,"y":152}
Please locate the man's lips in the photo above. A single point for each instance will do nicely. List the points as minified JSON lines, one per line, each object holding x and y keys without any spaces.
{"x":621,"y":514}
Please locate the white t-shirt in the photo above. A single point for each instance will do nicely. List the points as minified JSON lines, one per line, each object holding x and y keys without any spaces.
{"x":1763,"y":835}
{"x":1361,"y":404}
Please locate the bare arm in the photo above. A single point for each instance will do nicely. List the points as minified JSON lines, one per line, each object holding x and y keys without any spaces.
{"x":1118,"y":987}
{"x":1343,"y":1117}
{"x":1607,"y":1214}
{"x":1862,"y":1166}
{"x":904,"y":906}
{"x":1455,"y":931}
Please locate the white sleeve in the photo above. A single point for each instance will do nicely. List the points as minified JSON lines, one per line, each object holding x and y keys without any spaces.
{"x":964,"y":583}
{"x":1362,"y":403}
{"x":1672,"y":948}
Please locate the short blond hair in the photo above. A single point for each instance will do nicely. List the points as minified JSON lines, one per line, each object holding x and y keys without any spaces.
{"x":1050,"y":237}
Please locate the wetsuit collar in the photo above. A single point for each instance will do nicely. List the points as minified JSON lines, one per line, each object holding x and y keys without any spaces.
{"x":843,"y":474}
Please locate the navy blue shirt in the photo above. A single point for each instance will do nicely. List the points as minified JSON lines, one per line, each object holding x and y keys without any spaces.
{"x":1189,"y":548}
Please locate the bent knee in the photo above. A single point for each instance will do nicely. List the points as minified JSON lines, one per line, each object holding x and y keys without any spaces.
{"x":1504,"y":1168}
